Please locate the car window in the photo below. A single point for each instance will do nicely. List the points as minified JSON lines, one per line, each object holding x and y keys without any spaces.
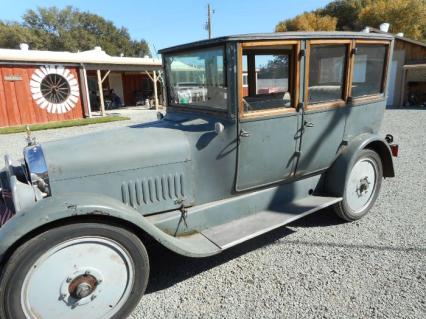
{"x":197,"y":78}
{"x":368,"y":69}
{"x":327,"y":67}
{"x":268,"y":74}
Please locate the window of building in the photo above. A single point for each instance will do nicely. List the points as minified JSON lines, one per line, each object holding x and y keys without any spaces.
{"x":369,"y":65}
{"x":269,"y":72}
{"x":327,"y":70}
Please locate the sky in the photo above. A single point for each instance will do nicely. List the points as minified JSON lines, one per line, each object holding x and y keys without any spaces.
{"x":167,"y":23}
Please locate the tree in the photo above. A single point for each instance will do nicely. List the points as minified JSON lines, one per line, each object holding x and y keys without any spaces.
{"x":308,"y":21}
{"x":275,"y":68}
{"x":346,"y":12}
{"x":72,"y":30}
{"x":407,"y":16}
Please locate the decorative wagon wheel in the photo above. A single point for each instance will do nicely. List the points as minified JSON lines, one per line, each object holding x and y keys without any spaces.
{"x":54,"y":88}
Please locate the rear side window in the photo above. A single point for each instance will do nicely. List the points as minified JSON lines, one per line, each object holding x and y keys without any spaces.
{"x":327,"y":69}
{"x":368,"y":69}
{"x":266,"y":79}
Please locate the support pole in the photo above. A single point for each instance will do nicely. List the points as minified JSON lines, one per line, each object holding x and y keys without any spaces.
{"x":154,"y":80}
{"x":209,"y":21}
{"x":155,"y":90}
{"x":402,"y":97}
{"x":101,"y":92}
{"x":86,"y":92}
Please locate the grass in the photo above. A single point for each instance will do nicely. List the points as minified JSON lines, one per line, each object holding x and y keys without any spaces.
{"x":62,"y":124}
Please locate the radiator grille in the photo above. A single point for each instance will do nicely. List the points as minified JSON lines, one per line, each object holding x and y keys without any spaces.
{"x":152,"y":190}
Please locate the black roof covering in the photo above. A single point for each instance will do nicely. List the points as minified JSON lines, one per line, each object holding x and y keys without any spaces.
{"x":279,"y":36}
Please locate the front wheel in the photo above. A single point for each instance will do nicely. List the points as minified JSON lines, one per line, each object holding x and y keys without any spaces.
{"x":362,"y":187}
{"x":82,"y":270}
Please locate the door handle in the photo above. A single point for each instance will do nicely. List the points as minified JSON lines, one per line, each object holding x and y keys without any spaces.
{"x":309,"y":124}
{"x":244,"y":133}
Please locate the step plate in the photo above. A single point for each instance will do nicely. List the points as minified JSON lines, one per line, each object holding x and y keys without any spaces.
{"x":240,"y":230}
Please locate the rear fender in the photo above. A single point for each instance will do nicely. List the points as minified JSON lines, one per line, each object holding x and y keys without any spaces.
{"x":337,"y":174}
{"x":78,"y":206}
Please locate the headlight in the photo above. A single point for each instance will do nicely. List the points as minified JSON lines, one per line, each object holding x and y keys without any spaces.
{"x":37,"y":168}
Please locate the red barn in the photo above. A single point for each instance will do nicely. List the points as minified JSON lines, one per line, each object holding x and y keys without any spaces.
{"x":44,"y":86}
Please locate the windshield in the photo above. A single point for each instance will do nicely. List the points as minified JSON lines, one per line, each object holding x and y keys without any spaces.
{"x":197,"y":78}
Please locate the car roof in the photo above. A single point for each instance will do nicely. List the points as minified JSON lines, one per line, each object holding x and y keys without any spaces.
{"x":278,"y":36}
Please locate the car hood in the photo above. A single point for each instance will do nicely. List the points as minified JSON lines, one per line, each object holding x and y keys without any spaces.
{"x":115,"y":150}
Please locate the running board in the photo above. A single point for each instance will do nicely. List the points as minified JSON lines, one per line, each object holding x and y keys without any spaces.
{"x":240,"y":230}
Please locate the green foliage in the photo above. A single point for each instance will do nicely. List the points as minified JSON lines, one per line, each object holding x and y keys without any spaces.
{"x":407,"y":16}
{"x":69,"y":29}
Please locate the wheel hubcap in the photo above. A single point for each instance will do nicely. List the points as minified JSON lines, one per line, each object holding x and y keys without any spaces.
{"x":361,"y":184}
{"x":87,"y":277}
{"x":82,"y":286}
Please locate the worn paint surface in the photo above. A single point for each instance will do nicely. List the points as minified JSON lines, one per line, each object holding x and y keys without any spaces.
{"x":180,"y":167}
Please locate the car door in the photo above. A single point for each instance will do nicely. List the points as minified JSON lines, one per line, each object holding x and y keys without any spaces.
{"x":324,"y":112}
{"x":268,"y":119}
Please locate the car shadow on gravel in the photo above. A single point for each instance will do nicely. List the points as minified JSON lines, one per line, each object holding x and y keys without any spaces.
{"x":169,"y":268}
{"x":323,"y":218}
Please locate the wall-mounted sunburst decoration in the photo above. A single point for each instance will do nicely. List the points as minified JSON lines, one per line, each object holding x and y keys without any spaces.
{"x":54,"y":88}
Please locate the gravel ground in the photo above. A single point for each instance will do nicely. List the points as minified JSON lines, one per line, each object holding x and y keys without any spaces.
{"x":317,"y":267}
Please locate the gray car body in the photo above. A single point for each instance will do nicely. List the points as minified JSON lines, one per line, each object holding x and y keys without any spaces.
{"x":174,"y":177}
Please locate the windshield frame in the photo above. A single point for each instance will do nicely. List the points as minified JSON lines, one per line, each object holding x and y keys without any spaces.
{"x":197,"y":107}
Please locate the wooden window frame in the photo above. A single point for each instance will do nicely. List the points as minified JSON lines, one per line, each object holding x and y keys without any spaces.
{"x":374,"y":96}
{"x":346,"y":80}
{"x":294,"y":77}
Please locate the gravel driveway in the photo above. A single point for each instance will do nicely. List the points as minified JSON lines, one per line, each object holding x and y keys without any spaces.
{"x":317,"y":267}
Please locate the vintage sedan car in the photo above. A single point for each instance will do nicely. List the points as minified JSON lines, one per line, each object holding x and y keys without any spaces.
{"x":210,"y":174}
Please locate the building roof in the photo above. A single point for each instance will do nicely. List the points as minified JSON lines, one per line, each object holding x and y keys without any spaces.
{"x":280,"y":36}
{"x":95,"y":56}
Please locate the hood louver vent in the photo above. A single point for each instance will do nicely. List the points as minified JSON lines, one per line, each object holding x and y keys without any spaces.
{"x":152,"y":190}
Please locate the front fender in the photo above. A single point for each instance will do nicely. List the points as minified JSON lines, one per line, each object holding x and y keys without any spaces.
{"x":77,"y":205}
{"x":337,"y":174}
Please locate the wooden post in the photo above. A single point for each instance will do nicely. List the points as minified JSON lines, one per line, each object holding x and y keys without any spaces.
{"x":402,"y":97}
{"x":85,"y":91}
{"x":154,"y":80}
{"x":155,"y":90}
{"x":101,"y":92}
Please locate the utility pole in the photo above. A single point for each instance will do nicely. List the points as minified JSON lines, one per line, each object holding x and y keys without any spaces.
{"x":209,"y":21}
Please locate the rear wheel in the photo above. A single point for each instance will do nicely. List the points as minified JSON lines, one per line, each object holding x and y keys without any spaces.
{"x":362,"y":187}
{"x":84,"y":270}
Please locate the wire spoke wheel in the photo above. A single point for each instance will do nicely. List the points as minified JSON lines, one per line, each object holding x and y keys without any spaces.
{"x":54,"y":88}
